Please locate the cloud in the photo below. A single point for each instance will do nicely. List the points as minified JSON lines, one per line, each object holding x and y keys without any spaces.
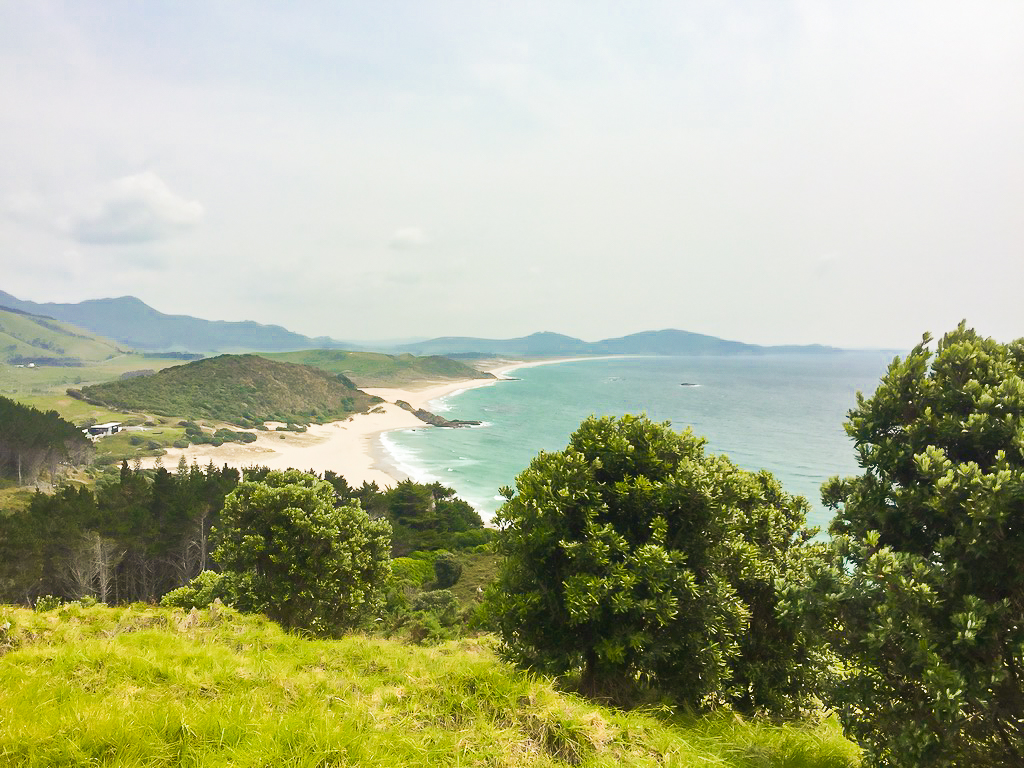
{"x":134,"y":209}
{"x":407,"y":238}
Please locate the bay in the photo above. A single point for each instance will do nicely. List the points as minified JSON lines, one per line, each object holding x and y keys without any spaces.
{"x":780,"y":413}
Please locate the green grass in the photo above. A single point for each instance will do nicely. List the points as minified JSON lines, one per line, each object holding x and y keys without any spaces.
{"x":478,"y":570}
{"x":371,"y":369}
{"x":143,"y":686}
{"x":14,"y":498}
{"x":31,"y":336}
{"x":49,"y":380}
{"x":126,"y":445}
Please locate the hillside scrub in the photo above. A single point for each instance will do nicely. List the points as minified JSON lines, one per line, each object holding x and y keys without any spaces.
{"x":147,"y":686}
{"x":143,"y":533}
{"x":238,"y":389}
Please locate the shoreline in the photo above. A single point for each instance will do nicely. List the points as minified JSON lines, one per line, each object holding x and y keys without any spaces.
{"x":352,"y":448}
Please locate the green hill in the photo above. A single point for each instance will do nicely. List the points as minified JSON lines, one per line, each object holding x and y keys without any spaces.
{"x":239,"y":389}
{"x":27,"y":338}
{"x":370,"y":369}
{"x":150,"y":686}
{"x":136,"y":324}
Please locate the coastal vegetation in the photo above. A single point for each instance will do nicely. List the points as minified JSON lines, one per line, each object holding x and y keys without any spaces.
{"x":633,"y":560}
{"x":631,"y":567}
{"x":33,"y":442}
{"x":143,"y":533}
{"x":288,"y":551}
{"x":372,"y":369}
{"x":925,"y":599}
{"x":245,"y":390}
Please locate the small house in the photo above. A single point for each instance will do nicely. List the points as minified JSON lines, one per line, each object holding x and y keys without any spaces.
{"x":103,"y":430}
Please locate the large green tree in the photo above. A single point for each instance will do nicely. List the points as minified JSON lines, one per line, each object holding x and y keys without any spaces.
{"x":635,"y":559}
{"x":287,"y":550}
{"x":929,"y":585}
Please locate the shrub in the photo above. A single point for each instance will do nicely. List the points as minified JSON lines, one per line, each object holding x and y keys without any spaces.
{"x":929,"y":583}
{"x":634,"y":559}
{"x":288,"y":552}
{"x":447,"y":570}
{"x":47,"y":603}
{"x":198,"y":593}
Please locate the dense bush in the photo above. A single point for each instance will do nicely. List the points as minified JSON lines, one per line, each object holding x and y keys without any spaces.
{"x":287,"y":551}
{"x":198,"y":593}
{"x":634,"y":559}
{"x":447,"y":570}
{"x":929,"y":586}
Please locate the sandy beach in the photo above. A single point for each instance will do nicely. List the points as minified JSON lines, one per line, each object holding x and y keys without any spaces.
{"x":351,"y":447}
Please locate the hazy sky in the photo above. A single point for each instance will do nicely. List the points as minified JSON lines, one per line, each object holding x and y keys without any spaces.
{"x":849,"y":173}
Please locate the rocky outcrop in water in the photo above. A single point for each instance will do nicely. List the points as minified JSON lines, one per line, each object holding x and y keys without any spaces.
{"x":433,"y":419}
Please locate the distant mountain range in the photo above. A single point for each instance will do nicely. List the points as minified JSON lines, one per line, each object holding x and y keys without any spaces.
{"x":133,"y":323}
{"x":137,"y":325}
{"x":667,"y":342}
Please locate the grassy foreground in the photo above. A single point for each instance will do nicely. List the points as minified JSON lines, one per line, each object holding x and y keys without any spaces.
{"x":145,"y":686}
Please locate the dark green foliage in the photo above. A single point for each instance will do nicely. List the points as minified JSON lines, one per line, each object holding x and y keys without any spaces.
{"x":145,"y":533}
{"x":929,"y":587}
{"x":239,"y":389}
{"x":447,"y":570}
{"x":32,"y":442}
{"x":287,"y":551}
{"x":195,"y":435}
{"x":430,"y":517}
{"x":133,"y":539}
{"x":636,"y":560}
{"x":411,"y":572}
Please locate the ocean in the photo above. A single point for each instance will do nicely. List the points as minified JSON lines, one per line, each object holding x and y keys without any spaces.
{"x":780,"y":413}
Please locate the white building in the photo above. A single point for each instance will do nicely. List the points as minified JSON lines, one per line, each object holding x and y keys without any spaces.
{"x":102,"y":430}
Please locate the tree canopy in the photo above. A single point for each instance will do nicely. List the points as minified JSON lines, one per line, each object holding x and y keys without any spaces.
{"x":32,"y":441}
{"x":287,"y":550}
{"x":633,"y":558}
{"x":929,"y":584}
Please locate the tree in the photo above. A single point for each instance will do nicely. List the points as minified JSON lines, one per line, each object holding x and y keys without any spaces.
{"x":929,"y":583}
{"x":289,"y":552}
{"x":632,"y":558}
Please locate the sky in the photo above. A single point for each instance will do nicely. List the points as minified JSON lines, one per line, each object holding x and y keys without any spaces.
{"x":846,"y":173}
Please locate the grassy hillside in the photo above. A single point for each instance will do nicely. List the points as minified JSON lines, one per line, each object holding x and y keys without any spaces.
{"x":28,"y":338}
{"x":370,"y":369}
{"x":147,"y":686}
{"x":238,"y":389}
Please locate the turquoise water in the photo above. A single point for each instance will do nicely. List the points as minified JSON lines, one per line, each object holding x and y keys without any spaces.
{"x":781,"y":413}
